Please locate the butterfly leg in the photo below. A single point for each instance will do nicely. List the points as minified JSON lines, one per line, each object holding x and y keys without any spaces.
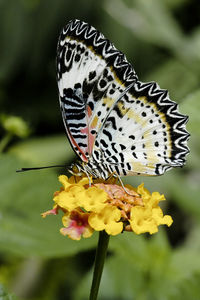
{"x":121,"y":182}
{"x":85,"y":171}
{"x":112,"y":175}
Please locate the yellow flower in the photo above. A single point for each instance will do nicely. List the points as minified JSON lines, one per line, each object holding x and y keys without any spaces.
{"x":108,"y":219}
{"x":106,"y":206}
{"x":148,"y":217}
{"x":76,"y":225}
{"x":76,"y":195}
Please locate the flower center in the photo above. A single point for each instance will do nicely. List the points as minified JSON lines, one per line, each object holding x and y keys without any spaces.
{"x":119,"y":198}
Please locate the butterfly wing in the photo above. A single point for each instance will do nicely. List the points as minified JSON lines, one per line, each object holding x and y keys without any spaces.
{"x":144,"y":133}
{"x":112,"y":119}
{"x":92,"y":74}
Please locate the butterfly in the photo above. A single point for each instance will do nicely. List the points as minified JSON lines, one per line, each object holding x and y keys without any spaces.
{"x":116,"y":124}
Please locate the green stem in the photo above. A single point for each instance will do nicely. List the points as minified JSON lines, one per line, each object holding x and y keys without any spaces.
{"x":99,"y":263}
{"x":5,"y":140}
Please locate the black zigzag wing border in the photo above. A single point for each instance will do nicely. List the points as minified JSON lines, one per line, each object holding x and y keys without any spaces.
{"x":176,"y":121}
{"x":91,"y":37}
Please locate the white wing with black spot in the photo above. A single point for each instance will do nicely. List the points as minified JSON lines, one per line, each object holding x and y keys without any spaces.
{"x":115,"y":123}
{"x":92,"y":74}
{"x":144,"y":133}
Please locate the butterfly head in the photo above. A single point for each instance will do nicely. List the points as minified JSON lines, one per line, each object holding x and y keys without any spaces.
{"x":91,"y":168}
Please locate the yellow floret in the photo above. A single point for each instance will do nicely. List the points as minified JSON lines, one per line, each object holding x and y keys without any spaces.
{"x":150,"y":216}
{"x":107,"y":219}
{"x":94,"y":199}
{"x":106,"y":206}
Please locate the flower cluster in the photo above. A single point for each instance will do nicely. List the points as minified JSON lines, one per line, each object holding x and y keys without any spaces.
{"x":106,"y":206}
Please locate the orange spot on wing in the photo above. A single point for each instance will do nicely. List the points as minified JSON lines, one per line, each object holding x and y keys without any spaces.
{"x":89,"y":111}
{"x":85,"y":130}
{"x":91,"y":142}
{"x":94,"y":122}
{"x":91,"y":138}
{"x":74,"y":143}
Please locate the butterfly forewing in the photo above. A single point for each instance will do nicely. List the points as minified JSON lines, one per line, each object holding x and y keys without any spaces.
{"x":92,"y":74}
{"x":115,"y":123}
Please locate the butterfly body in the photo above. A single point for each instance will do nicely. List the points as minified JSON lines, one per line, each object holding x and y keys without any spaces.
{"x":115,"y":123}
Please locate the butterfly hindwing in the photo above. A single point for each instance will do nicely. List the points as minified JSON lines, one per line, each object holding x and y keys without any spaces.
{"x":144,"y":133}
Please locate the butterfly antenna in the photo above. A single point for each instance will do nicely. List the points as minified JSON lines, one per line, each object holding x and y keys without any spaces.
{"x":39,"y":168}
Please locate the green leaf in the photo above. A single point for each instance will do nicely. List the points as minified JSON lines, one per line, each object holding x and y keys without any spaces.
{"x":185,"y":192}
{"x":175,"y":3}
{"x":139,"y":268}
{"x":191,"y":107}
{"x":150,"y":21}
{"x":168,"y":75}
{"x":24,"y":196}
{"x":175,"y":185}
{"x":44,"y":151}
{"x":4,"y":295}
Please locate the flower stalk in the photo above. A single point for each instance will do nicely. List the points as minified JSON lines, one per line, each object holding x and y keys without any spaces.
{"x":99,"y":263}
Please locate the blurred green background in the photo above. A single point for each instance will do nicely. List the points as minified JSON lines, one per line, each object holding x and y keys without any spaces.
{"x":162,"y":41}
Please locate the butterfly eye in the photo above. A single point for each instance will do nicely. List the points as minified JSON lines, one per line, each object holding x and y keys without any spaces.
{"x":75,"y":170}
